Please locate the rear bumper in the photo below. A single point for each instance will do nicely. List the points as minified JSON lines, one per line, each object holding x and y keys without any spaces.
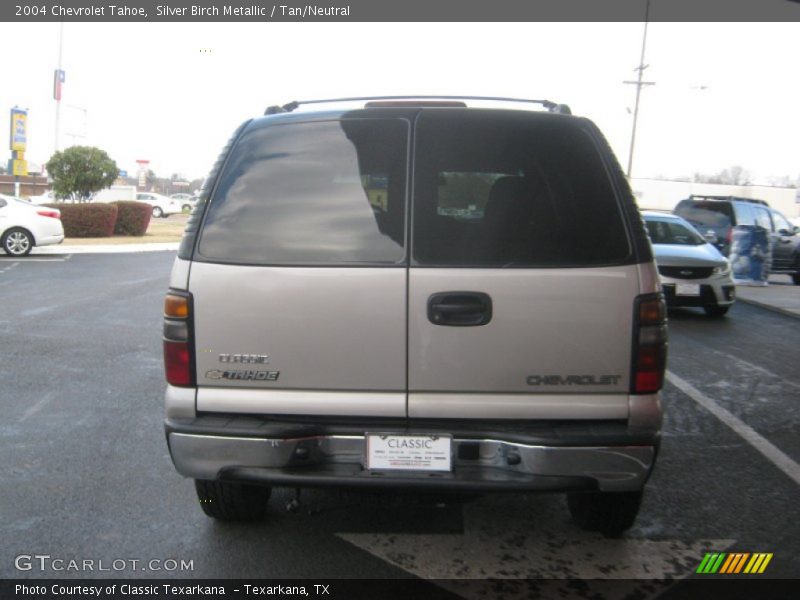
{"x":50,"y":240}
{"x":571,"y":457}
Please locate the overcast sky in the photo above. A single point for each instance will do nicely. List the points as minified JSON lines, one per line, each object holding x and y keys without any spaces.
{"x":725,"y":94}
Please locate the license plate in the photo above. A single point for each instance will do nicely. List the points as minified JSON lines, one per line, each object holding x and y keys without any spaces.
{"x":687,"y":289}
{"x":408,"y":452}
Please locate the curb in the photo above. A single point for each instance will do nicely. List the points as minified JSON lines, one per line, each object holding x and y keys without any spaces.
{"x":105,"y":248}
{"x":770,"y":307}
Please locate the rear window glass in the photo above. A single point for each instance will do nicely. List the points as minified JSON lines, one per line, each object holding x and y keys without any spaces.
{"x":501,"y":191}
{"x":326,"y":193}
{"x":706,"y":215}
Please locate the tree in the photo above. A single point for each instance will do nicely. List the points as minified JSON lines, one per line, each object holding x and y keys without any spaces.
{"x":80,"y":171}
{"x":736,"y":175}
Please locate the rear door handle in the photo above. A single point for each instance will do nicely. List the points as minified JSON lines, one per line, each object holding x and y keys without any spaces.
{"x":460,"y":309}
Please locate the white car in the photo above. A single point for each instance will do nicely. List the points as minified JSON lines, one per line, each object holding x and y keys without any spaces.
{"x":162,"y":206}
{"x":23,"y":226}
{"x":46,"y":198}
{"x":693,"y":272}
{"x":187,"y":200}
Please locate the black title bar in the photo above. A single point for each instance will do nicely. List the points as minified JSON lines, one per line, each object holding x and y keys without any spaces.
{"x":398,"y":10}
{"x":698,"y":588}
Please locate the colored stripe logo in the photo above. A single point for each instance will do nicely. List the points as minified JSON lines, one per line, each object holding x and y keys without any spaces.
{"x":734,"y":563}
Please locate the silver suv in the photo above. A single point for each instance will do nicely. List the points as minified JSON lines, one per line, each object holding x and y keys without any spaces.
{"x":420,"y":295}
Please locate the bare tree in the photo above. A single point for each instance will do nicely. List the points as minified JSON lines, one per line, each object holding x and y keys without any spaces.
{"x":735,"y":175}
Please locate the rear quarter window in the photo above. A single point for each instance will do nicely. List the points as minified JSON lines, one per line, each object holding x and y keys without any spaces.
{"x":311,"y":193}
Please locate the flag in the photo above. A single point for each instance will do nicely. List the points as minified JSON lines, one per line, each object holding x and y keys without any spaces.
{"x":58,"y":79}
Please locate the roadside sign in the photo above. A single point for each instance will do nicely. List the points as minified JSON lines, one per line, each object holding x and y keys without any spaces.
{"x":20,"y":167}
{"x":19,"y":126}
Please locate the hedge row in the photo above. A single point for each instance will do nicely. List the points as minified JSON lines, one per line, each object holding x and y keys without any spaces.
{"x":104,"y":220}
{"x":87,"y":220}
{"x":132,"y":217}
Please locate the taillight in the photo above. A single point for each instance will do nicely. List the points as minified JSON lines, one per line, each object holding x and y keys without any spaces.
{"x":49,"y":213}
{"x":649,"y":344}
{"x":729,"y":236}
{"x":178,"y":359}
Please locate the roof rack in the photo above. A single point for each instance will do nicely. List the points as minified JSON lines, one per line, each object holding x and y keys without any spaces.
{"x":707,"y":197}
{"x":548,"y":104}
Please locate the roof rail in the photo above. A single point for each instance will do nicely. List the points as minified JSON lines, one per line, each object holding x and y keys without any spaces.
{"x":548,"y":104}
{"x":708,"y":197}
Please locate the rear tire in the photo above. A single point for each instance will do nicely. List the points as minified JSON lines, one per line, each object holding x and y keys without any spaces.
{"x":796,"y":278}
{"x":17,"y":242}
{"x":230,"y":501}
{"x":610,"y":513}
{"x":716,"y":311}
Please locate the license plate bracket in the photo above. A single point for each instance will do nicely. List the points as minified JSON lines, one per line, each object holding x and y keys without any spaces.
{"x":687,"y":289}
{"x":409,"y":452}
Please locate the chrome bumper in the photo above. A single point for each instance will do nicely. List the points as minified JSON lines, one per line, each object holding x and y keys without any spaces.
{"x":337,"y":460}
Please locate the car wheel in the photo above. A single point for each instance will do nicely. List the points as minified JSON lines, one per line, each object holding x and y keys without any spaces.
{"x":610,"y":513}
{"x":230,"y":501}
{"x":157,"y":212}
{"x":796,"y":278}
{"x":17,"y":242}
{"x":716,"y":311}
{"x":186,"y":208}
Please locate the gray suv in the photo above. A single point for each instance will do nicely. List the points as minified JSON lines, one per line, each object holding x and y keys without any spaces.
{"x":420,"y":295}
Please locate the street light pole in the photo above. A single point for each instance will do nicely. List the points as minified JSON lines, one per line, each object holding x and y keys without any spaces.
{"x":58,"y":100}
{"x":639,"y":85}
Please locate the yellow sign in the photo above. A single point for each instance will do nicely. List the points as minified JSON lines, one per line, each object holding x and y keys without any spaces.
{"x":20,"y":167}
{"x":19,"y":155}
{"x":19,"y":126}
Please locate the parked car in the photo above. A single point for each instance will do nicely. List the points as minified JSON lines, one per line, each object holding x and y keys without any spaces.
{"x":162,"y":206}
{"x":47,"y":198}
{"x":716,"y":217}
{"x":326,"y":326}
{"x":23,"y":226}
{"x":187,"y":201}
{"x":693,"y":272}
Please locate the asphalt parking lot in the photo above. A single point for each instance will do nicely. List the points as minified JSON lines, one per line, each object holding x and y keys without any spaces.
{"x":86,"y":473}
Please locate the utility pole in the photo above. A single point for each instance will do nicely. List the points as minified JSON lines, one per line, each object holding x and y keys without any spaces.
{"x":58,"y":99}
{"x":639,"y":85}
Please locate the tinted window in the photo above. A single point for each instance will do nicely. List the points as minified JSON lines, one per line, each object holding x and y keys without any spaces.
{"x":705,"y":216}
{"x":762,"y":218}
{"x":328,"y":192}
{"x":512,"y":191}
{"x":745,"y":214}
{"x":781,"y":223}
{"x":464,"y":195}
{"x":672,"y":232}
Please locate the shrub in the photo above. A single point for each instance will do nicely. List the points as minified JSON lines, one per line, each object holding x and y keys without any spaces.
{"x":87,"y":220}
{"x":132,"y":217}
